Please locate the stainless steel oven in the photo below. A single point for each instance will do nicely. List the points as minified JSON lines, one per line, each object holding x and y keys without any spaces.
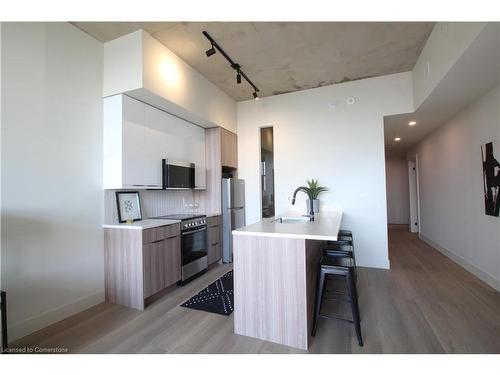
{"x":178,"y":174}
{"x":193,"y":244}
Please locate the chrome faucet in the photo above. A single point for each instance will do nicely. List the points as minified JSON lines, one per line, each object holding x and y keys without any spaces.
{"x":311,"y":207}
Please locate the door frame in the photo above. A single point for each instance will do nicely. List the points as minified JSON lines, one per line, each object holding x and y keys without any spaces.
{"x":414,"y":196}
{"x":259,"y":130}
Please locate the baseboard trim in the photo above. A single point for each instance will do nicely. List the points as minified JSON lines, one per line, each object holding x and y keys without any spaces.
{"x":386,"y":265}
{"x":37,"y":322}
{"x":484,"y":276}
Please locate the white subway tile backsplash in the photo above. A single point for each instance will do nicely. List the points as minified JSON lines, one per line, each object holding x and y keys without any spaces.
{"x":157,"y":203}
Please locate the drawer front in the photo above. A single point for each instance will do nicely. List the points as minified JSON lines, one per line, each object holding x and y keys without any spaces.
{"x":214,"y":220}
{"x":160,"y":233}
{"x":172,"y":230}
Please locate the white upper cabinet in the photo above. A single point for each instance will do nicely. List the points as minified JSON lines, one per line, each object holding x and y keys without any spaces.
{"x":169,"y":137}
{"x":155,"y":140}
{"x":138,"y":170}
{"x":137,"y":137}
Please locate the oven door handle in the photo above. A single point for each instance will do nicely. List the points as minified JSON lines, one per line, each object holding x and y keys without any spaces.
{"x":193,"y":231}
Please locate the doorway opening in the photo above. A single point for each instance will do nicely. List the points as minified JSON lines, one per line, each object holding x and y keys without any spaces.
{"x":398,"y":212}
{"x":267,"y":172}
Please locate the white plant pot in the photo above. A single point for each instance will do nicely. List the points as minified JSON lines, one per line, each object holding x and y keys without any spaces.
{"x":315,"y":205}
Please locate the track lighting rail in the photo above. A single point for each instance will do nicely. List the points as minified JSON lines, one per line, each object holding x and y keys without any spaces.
{"x":235,"y":66}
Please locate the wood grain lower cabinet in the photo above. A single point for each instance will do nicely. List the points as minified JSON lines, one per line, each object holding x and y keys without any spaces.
{"x":140,"y":263}
{"x":153,"y":259}
{"x":173,"y":265}
{"x":214,"y":239}
{"x":162,"y":264}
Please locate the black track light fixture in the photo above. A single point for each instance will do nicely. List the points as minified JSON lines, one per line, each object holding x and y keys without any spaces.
{"x":235,"y":66}
{"x":210,"y":51}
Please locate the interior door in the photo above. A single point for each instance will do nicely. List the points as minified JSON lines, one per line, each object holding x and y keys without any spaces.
{"x":267,"y":171}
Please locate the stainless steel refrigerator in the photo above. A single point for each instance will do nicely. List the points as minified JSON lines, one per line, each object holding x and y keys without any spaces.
{"x":233,"y":213}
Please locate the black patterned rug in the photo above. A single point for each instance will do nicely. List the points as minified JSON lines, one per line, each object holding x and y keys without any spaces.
{"x":216,"y":298}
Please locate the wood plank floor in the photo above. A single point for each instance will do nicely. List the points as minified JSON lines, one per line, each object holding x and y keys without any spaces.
{"x":424,"y":304}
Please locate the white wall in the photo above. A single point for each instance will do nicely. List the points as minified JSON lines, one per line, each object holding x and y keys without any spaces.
{"x":398,"y":207}
{"x":52,"y":199}
{"x":157,"y":76}
{"x":451,"y":189}
{"x":446,"y":44}
{"x":317,"y":135}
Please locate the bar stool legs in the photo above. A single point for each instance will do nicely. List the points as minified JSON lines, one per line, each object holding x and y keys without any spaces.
{"x":351,"y":285}
{"x":320,"y":292}
{"x":341,"y":267}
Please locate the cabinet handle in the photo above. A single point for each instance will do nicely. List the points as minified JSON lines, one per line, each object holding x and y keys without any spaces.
{"x":163,"y":239}
{"x":156,"y":241}
{"x":193,"y":231}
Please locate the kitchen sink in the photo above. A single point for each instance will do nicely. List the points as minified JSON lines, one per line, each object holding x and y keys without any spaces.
{"x":293,"y":219}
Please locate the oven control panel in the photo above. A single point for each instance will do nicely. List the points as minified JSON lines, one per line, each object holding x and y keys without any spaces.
{"x":194,"y":223}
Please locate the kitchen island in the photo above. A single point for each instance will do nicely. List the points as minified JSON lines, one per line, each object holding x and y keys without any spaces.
{"x":275,"y":274}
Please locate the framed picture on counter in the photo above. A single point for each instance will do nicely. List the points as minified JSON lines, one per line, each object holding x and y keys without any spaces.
{"x":129,"y":206}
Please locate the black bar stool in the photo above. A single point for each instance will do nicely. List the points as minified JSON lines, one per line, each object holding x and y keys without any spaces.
{"x":344,"y":237}
{"x":341,"y":266}
{"x":3,"y":309}
{"x":345,"y":232}
{"x":344,"y":246}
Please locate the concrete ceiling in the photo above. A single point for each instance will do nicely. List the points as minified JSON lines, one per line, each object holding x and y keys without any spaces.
{"x":282,"y":57}
{"x":475,"y":73}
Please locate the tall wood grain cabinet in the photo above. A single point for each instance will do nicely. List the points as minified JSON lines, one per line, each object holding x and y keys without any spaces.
{"x":214,"y":238}
{"x":221,"y":151}
{"x":229,"y":149}
{"x":140,"y":263}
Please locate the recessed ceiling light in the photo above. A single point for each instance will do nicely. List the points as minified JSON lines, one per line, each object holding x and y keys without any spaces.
{"x":412,"y":123}
{"x":397,"y":139}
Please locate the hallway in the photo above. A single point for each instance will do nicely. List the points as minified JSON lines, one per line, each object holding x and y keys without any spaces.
{"x":460,"y":311}
{"x":424,"y":304}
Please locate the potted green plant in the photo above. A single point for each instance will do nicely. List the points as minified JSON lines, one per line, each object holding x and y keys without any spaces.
{"x":314,"y":190}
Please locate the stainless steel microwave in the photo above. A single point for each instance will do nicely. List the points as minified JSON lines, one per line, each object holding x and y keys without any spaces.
{"x":177,"y":174}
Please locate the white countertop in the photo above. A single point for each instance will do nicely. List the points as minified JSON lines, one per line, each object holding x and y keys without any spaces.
{"x":149,"y":223}
{"x":142,"y":224}
{"x":325,"y":227}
